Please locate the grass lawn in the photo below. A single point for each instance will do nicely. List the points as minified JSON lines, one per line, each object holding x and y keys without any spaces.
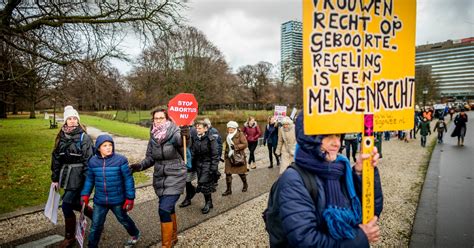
{"x":125,"y":116}
{"x":25,"y":158}
{"x":116,"y":127}
{"x":216,"y":116}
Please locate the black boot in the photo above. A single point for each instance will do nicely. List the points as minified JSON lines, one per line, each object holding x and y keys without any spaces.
{"x":190,"y":192}
{"x":244,"y":181}
{"x":228,"y":181}
{"x":208,"y":205}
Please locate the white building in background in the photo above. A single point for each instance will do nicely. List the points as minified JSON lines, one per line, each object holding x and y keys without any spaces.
{"x":451,"y":64}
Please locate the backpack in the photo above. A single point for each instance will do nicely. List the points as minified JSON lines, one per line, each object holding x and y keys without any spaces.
{"x":271,"y":215}
{"x":69,"y":148}
{"x":441,"y":125}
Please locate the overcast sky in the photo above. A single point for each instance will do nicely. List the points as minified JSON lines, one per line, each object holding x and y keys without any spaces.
{"x":248,"y":31}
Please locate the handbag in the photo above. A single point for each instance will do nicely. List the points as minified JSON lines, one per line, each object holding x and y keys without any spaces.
{"x":237,"y":159}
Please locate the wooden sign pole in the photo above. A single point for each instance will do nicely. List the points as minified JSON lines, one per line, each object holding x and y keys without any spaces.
{"x":184,"y":150}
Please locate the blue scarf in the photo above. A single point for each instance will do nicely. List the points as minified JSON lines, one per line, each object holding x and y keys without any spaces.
{"x":341,"y":214}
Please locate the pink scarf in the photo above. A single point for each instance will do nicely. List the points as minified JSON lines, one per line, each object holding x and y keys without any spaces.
{"x":68,"y":129}
{"x":159,"y":131}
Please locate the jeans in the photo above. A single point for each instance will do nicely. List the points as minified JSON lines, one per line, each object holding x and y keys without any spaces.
{"x":98,"y":220}
{"x":252,"y":146}
{"x":349,"y":144}
{"x":272,"y":151}
{"x":71,"y":201}
{"x":440,"y":137}
{"x":166,"y":206}
{"x":423,"y":140}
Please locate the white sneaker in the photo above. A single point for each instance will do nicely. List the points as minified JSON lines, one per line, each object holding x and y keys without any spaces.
{"x":133,"y":240}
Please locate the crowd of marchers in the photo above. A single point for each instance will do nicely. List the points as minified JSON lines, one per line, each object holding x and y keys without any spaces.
{"x":315,"y":202}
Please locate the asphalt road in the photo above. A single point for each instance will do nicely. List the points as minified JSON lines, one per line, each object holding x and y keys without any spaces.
{"x":445,"y":215}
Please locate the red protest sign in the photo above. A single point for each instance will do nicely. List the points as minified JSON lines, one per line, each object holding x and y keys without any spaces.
{"x":183,"y":109}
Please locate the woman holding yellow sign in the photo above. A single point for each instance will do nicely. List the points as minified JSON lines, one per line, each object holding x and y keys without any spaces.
{"x":334,"y":217}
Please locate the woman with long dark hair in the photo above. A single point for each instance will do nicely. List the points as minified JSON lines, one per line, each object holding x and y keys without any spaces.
{"x":72,"y":150}
{"x":271,"y":140}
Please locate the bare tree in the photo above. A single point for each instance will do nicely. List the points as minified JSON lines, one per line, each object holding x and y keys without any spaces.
{"x":65,"y":31}
{"x":92,"y":86}
{"x":283,"y":91}
{"x":425,"y":82}
{"x":182,"y":61}
{"x":297,"y":86}
{"x":257,"y":79}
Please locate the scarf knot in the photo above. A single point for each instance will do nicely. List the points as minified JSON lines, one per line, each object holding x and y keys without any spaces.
{"x":341,"y":214}
{"x":68,"y":129}
{"x":229,"y":138}
{"x":159,"y":131}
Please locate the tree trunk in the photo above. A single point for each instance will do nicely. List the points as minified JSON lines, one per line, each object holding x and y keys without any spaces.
{"x":3,"y":110}
{"x":32,"y":110}
{"x":15,"y":109}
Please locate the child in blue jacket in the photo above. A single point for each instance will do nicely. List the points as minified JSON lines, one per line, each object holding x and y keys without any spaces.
{"x":114,"y":190}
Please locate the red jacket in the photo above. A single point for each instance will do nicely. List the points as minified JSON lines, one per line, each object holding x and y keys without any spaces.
{"x":251,"y":133}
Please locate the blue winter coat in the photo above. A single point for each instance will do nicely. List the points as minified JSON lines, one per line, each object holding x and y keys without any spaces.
{"x":303,"y":221}
{"x":301,"y":218}
{"x":111,"y":177}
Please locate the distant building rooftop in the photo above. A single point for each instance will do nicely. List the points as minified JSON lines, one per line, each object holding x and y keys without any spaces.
{"x":445,"y":44}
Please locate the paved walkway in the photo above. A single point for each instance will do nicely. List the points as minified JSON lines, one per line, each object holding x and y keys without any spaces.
{"x":445,"y":216}
{"x":146,"y":217}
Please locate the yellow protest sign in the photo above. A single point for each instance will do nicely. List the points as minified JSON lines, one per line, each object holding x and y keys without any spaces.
{"x":358,"y":58}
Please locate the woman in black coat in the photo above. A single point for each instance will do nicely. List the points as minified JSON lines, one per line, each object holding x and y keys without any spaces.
{"x":460,"y":129}
{"x":205,"y":159}
{"x":72,"y":150}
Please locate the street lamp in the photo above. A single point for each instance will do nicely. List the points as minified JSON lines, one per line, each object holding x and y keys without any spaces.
{"x":425,"y":92}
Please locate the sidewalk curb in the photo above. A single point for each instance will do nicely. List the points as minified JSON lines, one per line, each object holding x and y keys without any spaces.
{"x":40,"y":208}
{"x":424,"y":225}
{"x":423,"y":232}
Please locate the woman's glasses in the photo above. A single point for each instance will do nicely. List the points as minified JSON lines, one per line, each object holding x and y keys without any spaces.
{"x":159,"y":118}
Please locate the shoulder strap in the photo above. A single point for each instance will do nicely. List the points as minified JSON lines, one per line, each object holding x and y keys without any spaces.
{"x":308,"y":180}
{"x":79,"y":143}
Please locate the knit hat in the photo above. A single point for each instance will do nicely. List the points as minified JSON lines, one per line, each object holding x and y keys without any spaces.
{"x":232,"y":124}
{"x":69,"y":111}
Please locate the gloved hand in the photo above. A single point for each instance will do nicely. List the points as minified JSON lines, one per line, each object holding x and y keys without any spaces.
{"x":128,"y":205}
{"x":184,"y":131}
{"x":85,"y":199}
{"x":55,"y":185}
{"x":135,"y":167}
